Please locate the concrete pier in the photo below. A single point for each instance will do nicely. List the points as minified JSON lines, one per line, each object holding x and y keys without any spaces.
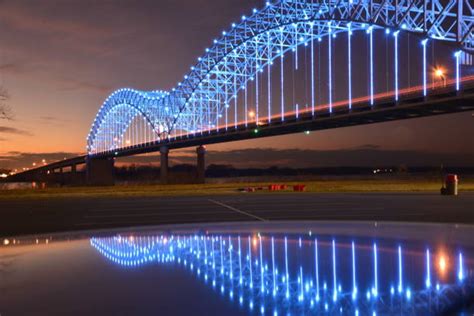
{"x":201,"y":164}
{"x":164,"y":164}
{"x":100,"y":171}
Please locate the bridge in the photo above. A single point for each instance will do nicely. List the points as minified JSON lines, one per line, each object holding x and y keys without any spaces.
{"x":293,"y":66}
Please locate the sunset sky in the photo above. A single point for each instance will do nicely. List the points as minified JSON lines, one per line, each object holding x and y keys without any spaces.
{"x":59,"y":59}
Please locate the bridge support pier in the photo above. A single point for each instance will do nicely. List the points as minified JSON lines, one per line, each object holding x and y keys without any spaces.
{"x":164,"y":164}
{"x":100,"y":171}
{"x":201,"y":164}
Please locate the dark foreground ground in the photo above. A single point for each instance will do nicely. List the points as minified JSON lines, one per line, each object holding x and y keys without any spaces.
{"x":32,"y":216}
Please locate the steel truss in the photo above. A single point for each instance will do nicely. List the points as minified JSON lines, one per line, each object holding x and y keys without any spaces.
{"x":208,"y":94}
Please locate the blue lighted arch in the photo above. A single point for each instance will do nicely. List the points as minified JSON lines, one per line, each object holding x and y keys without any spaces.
{"x":206,"y":98}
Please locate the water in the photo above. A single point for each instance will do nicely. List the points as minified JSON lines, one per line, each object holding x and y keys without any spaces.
{"x":21,"y":185}
{"x":276,"y":269}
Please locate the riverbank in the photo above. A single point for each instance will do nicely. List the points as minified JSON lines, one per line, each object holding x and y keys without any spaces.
{"x":314,"y":186}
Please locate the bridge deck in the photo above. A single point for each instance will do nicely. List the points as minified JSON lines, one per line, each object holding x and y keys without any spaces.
{"x":441,"y":101}
{"x":410,"y":105}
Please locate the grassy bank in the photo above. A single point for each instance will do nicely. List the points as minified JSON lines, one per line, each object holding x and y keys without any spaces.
{"x":320,"y":186}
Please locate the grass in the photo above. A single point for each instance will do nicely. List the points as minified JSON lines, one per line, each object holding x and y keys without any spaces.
{"x":143,"y":190}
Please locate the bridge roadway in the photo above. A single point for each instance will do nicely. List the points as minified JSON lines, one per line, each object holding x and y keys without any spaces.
{"x":440,"y":101}
{"x":19,"y":217}
{"x":411,"y":105}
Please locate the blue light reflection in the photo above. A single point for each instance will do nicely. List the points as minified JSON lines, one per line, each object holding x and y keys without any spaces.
{"x":376,"y":272}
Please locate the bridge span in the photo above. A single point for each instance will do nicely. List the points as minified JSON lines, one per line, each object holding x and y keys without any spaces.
{"x":293,"y":66}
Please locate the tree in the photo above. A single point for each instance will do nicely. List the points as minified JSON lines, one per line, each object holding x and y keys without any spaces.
{"x":5,"y":110}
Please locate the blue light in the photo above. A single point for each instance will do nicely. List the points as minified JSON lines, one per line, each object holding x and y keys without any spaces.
{"x":269,"y":82}
{"x":423,"y":43}
{"x":371,"y":39}
{"x":458,"y":70}
{"x":246,"y":98}
{"x":221,"y":256}
{"x":231,"y":271}
{"x":301,"y":284}
{"x":354,"y":283}
{"x":296,"y":45}
{"x":257,"y":99}
{"x":400,"y":270}
{"x":312,"y":69}
{"x":396,"y":64}
{"x":282,"y":79}
{"x":376,"y":278}
{"x":334,"y":269}
{"x":273,"y":267}
{"x":262,"y":278}
{"x":330,"y":67}
{"x":428,"y":269}
{"x":461,"y":268}
{"x":316,"y":266}
{"x":286,"y":267}
{"x":240,"y":262}
{"x":250,"y":263}
{"x":349,"y":64}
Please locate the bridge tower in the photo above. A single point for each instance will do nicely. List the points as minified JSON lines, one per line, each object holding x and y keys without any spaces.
{"x":201,"y":164}
{"x":164,"y":164}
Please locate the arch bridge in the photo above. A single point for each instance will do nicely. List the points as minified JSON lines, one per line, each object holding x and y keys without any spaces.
{"x":300,"y":65}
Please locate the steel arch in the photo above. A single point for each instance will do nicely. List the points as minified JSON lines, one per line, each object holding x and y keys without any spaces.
{"x":198,"y":102}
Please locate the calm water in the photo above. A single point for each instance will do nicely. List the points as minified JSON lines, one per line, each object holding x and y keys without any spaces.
{"x":23,"y":185}
{"x":241,"y":269}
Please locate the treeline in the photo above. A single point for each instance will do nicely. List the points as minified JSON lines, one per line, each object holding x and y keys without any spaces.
{"x":228,"y":171}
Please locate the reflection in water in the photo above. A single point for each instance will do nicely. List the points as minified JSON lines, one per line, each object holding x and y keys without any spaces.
{"x":287,"y":275}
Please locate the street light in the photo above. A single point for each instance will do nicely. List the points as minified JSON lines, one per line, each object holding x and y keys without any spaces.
{"x":440,"y":74}
{"x":251,"y":114}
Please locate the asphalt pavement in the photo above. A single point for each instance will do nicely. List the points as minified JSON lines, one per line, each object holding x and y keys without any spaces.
{"x":21,"y":217}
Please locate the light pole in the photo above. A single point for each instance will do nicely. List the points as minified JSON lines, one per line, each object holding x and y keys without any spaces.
{"x":439,"y":73}
{"x":251,"y":115}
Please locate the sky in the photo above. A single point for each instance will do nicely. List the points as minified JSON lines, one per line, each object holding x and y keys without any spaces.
{"x":59,"y":60}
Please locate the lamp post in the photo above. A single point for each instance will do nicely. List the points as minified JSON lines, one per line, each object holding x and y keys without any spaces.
{"x":439,"y":73}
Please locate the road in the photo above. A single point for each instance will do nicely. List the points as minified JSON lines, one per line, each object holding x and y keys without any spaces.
{"x":19,"y":217}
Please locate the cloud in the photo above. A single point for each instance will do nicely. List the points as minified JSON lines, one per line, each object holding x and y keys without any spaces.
{"x":52,"y":120}
{"x":15,"y":159}
{"x":3,"y":139}
{"x":13,"y":130}
{"x":23,"y":18}
{"x":368,"y":146}
{"x":11,"y":68}
{"x":74,"y":85}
